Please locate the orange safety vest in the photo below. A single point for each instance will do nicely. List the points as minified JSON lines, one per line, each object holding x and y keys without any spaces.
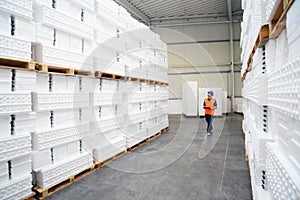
{"x":211,"y":104}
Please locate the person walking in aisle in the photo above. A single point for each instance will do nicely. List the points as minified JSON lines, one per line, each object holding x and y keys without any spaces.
{"x":209,"y":105}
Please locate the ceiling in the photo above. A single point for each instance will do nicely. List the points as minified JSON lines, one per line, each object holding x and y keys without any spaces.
{"x":158,"y":10}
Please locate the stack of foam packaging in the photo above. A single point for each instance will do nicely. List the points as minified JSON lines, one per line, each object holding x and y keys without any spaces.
{"x":157,"y":116}
{"x":253,"y":18}
{"x":65,"y":33}
{"x":271,"y":112}
{"x":111,"y":43}
{"x":17,"y":29}
{"x":107,"y":124}
{"x":17,"y":123}
{"x":136,"y":113}
{"x":54,"y":125}
{"x":16,"y":116}
{"x":62,"y":111}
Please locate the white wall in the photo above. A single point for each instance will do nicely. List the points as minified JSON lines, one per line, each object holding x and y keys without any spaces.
{"x":214,"y":55}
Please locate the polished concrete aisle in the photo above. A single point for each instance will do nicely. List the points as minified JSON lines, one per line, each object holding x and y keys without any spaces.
{"x":183,"y":164}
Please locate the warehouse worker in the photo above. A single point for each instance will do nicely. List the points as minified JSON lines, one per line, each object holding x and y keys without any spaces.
{"x":209,"y":105}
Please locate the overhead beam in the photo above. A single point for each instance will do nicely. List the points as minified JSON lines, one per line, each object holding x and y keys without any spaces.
{"x":236,"y":13}
{"x":194,"y":23}
{"x":215,"y":65}
{"x":201,"y":42}
{"x":134,"y":10}
{"x":206,"y":72}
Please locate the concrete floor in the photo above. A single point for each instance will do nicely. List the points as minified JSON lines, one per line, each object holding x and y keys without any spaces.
{"x":182,"y":164}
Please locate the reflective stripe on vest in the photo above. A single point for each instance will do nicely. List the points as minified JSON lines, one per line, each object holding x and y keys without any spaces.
{"x":209,"y":103}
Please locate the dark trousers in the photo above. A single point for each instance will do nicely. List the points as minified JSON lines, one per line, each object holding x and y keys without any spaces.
{"x":209,"y":119}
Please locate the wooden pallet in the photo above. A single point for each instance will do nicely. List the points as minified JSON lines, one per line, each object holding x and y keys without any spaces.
{"x":99,"y":165}
{"x":62,"y":70}
{"x":78,"y":72}
{"x":43,"y":193}
{"x":99,"y":74}
{"x":152,"y":82}
{"x":142,"y":143}
{"x":29,"y":197}
{"x":278,"y":18}
{"x":154,"y":136}
{"x":136,"y":146}
{"x":165,"y":130}
{"x":261,"y":40}
{"x":140,"y":80}
{"x":246,"y":153}
{"x":9,"y":63}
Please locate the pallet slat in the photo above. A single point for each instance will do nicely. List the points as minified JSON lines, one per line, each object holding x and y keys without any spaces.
{"x":99,"y":165}
{"x":99,"y":74}
{"x":16,"y":64}
{"x":278,"y":19}
{"x":29,"y":197}
{"x":43,"y":193}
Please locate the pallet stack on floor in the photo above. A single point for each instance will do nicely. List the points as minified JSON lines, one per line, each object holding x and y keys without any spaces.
{"x":17,"y":123}
{"x":271,"y":97}
{"x":62,"y":121}
{"x":81,"y":82}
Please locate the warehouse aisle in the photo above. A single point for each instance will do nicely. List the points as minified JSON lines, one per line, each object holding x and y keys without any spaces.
{"x":179,"y":173}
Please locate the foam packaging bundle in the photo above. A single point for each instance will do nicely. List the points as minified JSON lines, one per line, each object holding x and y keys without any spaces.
{"x":283,"y":178}
{"x":293,"y":33}
{"x":65,"y":38}
{"x":47,"y":176}
{"x":17,"y":30}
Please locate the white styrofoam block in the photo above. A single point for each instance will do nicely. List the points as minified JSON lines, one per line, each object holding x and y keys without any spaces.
{"x":4,"y":174}
{"x":105,"y":152}
{"x":5,"y":126}
{"x":281,"y":50}
{"x":63,"y":58}
{"x":189,"y":98}
{"x":11,"y":103}
{"x":15,"y":48}
{"x":21,"y":8}
{"x":41,"y":158}
{"x":43,"y":121}
{"x":282,"y":85}
{"x":54,"y":137}
{"x":282,"y":176}
{"x":58,"y":101}
{"x":58,"y":83}
{"x":107,"y":112}
{"x":6,"y":80}
{"x":65,"y":118}
{"x":73,"y":84}
{"x":23,"y":28}
{"x":104,"y":125}
{"x":14,"y":146}
{"x":63,"y":41}
{"x":57,"y":172}
{"x":133,"y":118}
{"x":42,"y":82}
{"x":110,"y":66}
{"x":137,"y":97}
{"x":17,"y":189}
{"x":21,"y":167}
{"x":63,"y":5}
{"x":293,"y":34}
{"x":61,"y":21}
{"x":89,"y":84}
{"x":103,"y":98}
{"x":24,"y":81}
{"x":66,"y":151}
